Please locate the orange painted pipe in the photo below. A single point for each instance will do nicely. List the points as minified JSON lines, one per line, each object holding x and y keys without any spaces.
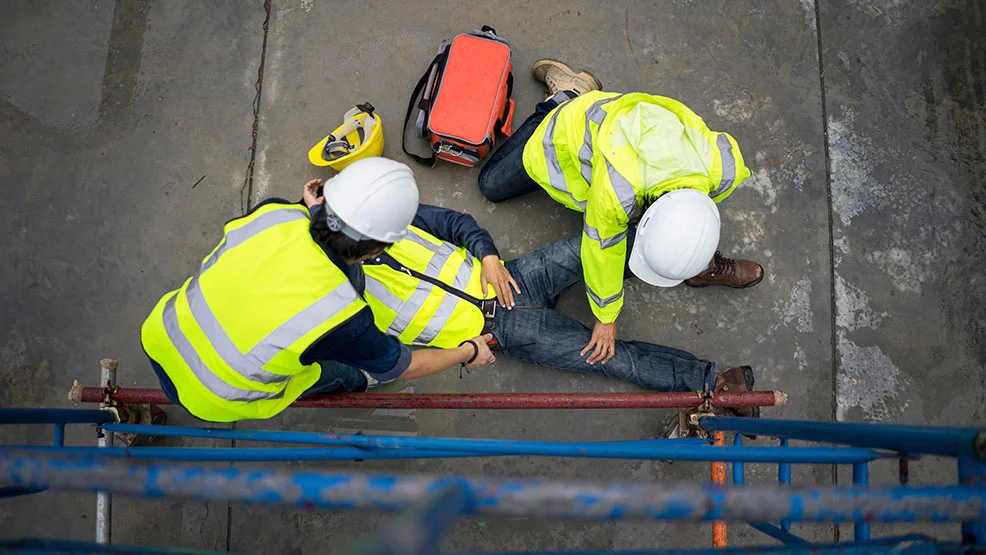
{"x":719,"y":479}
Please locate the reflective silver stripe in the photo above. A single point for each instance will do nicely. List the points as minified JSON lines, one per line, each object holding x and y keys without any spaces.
{"x":439,"y":258}
{"x":595,"y":114}
{"x":403,"y":313}
{"x":205,"y":376}
{"x":376,"y":289}
{"x":463,"y":274}
{"x":601,"y":302}
{"x":250,"y":365}
{"x":604,"y":242}
{"x":302,"y":323}
{"x":244,"y":365}
{"x":555,"y":176}
{"x":407,"y":311}
{"x":443,"y":314}
{"x":262,"y":223}
{"x":728,"y":165}
{"x":624,"y":191}
{"x":438,"y":320}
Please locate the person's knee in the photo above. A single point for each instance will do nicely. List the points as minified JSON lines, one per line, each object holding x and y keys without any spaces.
{"x":489,"y":184}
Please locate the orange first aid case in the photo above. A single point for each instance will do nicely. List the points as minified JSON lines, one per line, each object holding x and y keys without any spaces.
{"x":464,"y":99}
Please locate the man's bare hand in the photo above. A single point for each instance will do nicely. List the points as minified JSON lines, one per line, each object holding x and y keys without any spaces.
{"x":485,"y":355}
{"x":309,"y":191}
{"x":496,"y":274}
{"x":602,"y":345}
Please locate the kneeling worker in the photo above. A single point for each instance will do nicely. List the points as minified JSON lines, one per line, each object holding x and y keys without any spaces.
{"x":431,"y":289}
{"x":271,"y":314}
{"x":620,"y":158}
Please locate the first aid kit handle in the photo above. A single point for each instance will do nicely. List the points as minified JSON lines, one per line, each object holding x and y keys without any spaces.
{"x":410,"y":107}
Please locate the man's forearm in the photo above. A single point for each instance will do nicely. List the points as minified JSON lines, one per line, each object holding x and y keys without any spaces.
{"x":425,"y":362}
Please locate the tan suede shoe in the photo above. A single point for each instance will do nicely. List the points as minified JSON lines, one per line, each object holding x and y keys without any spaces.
{"x":558,"y":76}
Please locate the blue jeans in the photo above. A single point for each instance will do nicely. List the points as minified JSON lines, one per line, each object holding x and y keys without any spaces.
{"x":504,"y":176}
{"x":543,"y":275}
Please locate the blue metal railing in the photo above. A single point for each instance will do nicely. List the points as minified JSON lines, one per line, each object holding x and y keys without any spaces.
{"x":546,"y":499}
{"x":771,"y":510}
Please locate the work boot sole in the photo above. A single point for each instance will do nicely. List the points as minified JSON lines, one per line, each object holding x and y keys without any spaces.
{"x":588,"y":81}
{"x":744,"y":286}
{"x":591,"y":79}
{"x":540,"y":68}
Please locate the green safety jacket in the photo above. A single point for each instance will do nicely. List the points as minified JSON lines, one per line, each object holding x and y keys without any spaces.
{"x":231,"y":338}
{"x":610,"y":156}
{"x":417,"y":311}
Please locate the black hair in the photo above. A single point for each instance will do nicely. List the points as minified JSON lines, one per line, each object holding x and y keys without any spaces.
{"x":341,"y":244}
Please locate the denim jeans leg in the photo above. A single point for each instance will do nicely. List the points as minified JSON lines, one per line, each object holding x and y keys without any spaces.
{"x":504,"y":176}
{"x":558,"y":340}
{"x":337,"y":378}
{"x":547,"y":272}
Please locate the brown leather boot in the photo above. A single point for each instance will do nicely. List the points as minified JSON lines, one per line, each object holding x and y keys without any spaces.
{"x":558,"y":76}
{"x":731,"y":272}
{"x":738,"y":380}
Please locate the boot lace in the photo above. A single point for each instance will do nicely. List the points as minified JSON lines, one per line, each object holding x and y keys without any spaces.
{"x":723,"y":266}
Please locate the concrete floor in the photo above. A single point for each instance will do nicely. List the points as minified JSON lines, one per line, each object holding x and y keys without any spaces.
{"x":867,"y":141}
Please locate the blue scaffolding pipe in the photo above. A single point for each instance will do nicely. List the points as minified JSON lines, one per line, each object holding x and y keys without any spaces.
{"x":905,"y":439}
{"x":783,"y":533}
{"x":56,"y":416}
{"x":58,"y":439}
{"x":778,"y":534}
{"x":251,"y":454}
{"x":13,"y":491}
{"x":972,"y":473}
{"x":739,"y":472}
{"x":528,"y":498}
{"x":389,"y":448}
{"x":321,"y":438}
{"x":913,"y":544}
{"x":861,"y":478}
{"x":418,"y":529}
{"x":784,"y":478}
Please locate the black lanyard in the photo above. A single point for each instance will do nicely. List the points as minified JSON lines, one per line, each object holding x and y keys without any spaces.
{"x":389,"y":261}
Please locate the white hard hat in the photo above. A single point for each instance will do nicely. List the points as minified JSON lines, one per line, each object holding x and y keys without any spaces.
{"x":676,"y":238}
{"x":372,"y":198}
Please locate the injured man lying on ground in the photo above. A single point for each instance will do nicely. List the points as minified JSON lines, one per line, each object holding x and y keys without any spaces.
{"x":445,"y":284}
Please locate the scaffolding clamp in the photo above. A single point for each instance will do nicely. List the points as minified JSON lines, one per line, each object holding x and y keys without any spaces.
{"x":689,"y":419}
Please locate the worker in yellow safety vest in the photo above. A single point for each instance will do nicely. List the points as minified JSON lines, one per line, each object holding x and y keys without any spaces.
{"x":445,"y":284}
{"x":272,"y":315}
{"x":625,"y":160}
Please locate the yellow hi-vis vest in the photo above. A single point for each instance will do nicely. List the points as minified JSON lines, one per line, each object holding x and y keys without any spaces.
{"x":232,"y":336}
{"x":417,"y":312}
{"x":610,"y":156}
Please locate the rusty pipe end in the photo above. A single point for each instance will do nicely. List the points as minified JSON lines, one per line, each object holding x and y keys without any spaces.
{"x":109,"y":364}
{"x":780,"y":398}
{"x":75,"y":394}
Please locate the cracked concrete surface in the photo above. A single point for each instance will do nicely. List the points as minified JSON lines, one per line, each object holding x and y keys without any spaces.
{"x":865,"y":207}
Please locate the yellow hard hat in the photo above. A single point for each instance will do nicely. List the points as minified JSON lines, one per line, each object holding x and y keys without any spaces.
{"x":359,"y":136}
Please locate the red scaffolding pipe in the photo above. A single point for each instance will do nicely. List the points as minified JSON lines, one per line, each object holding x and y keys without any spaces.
{"x":81,"y":394}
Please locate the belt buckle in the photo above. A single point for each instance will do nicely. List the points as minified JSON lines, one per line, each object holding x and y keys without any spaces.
{"x":488,"y":308}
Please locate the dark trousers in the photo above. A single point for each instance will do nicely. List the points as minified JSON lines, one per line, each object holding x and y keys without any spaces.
{"x":504,"y":177}
{"x":554,"y":339}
